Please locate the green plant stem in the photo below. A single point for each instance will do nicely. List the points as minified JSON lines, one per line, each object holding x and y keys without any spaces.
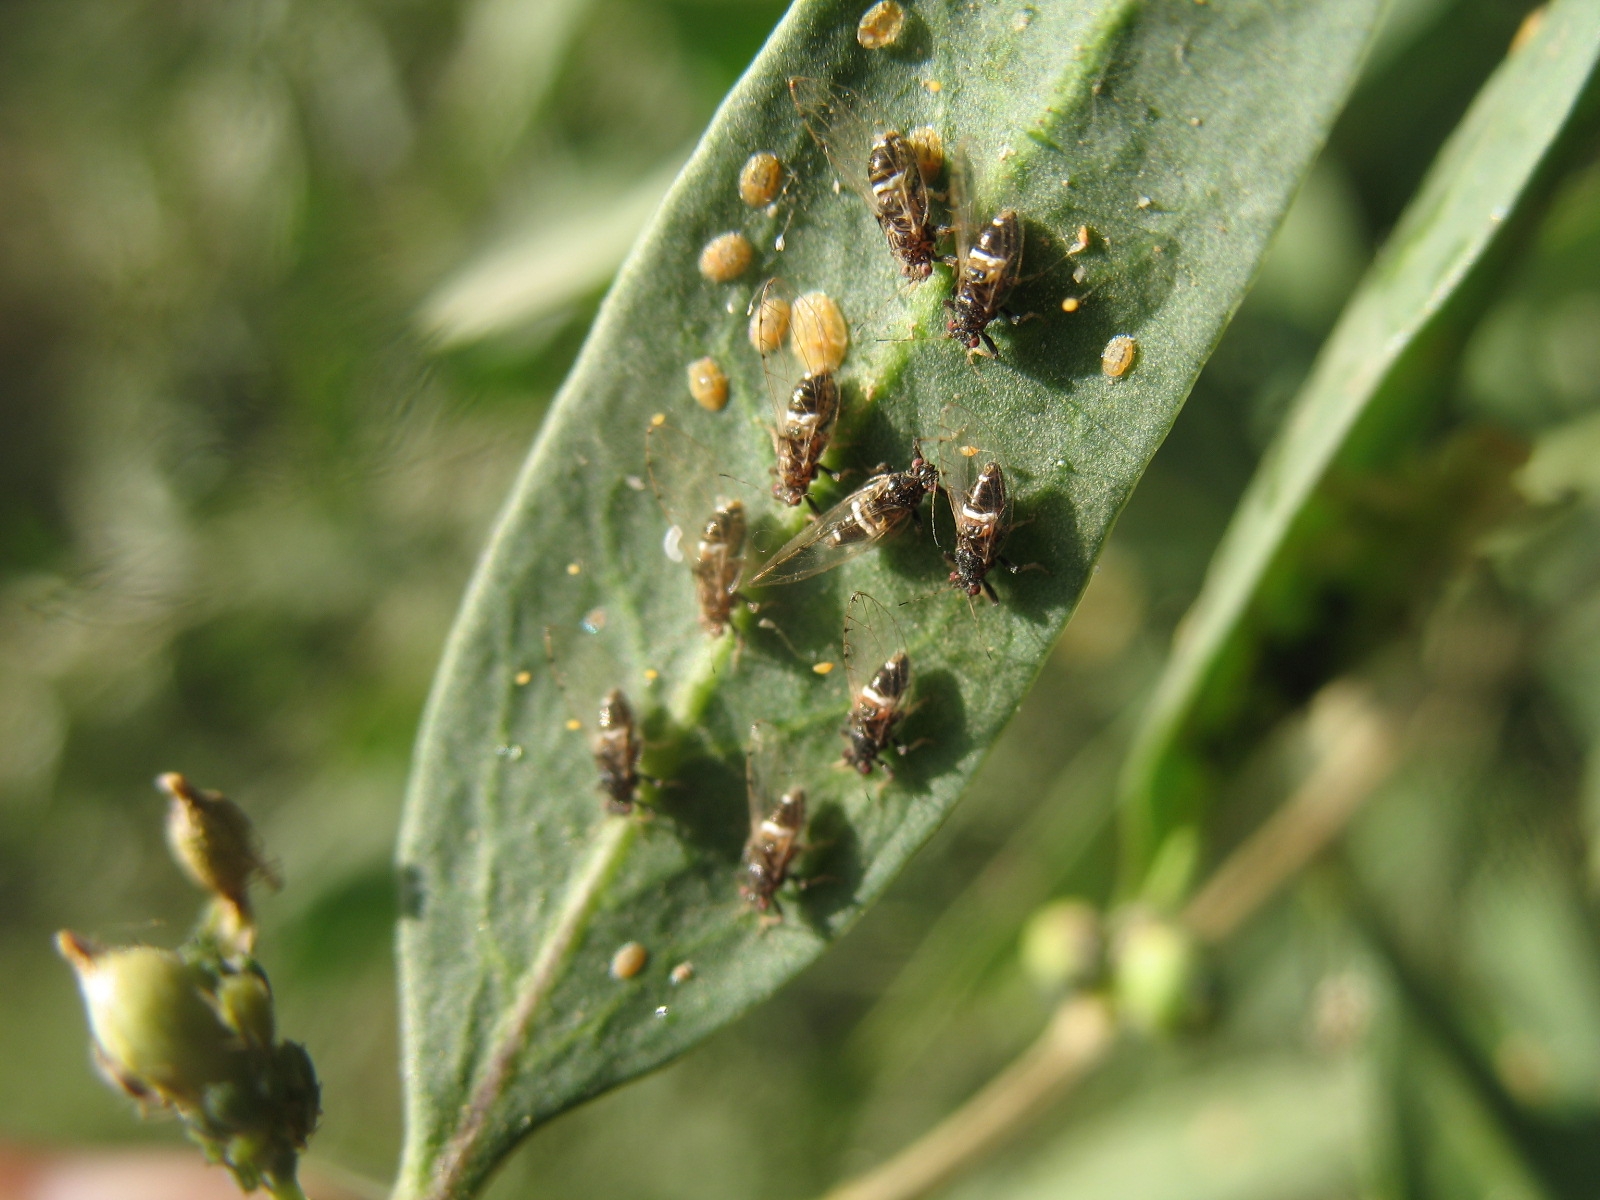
{"x":286,"y":1189}
{"x":1076,"y":1040}
{"x":1358,"y":751}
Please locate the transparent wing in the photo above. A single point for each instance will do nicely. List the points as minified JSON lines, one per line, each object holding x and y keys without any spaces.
{"x":769,"y":333}
{"x":960,"y":191}
{"x":813,"y":550}
{"x":761,"y":767}
{"x":832,"y":115}
{"x":683,"y":475}
{"x":582,"y":665}
{"x":967,"y":444}
{"x":871,"y":638}
{"x":954,"y":452}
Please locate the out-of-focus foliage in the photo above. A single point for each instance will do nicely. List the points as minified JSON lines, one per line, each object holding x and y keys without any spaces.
{"x":239,"y":495}
{"x":240,"y":492}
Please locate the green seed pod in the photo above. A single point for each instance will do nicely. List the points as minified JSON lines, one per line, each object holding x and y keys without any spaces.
{"x":154,"y":1028}
{"x":1061,"y":945}
{"x":1155,"y":974}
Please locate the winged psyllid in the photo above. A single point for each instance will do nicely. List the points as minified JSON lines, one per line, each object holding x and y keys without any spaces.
{"x":877,"y":163}
{"x":776,"y":825}
{"x":804,"y":398}
{"x":706,"y":526}
{"x":988,"y":265}
{"x":879,"y":674}
{"x":975,"y":482}
{"x":588,"y":687}
{"x":860,"y":521}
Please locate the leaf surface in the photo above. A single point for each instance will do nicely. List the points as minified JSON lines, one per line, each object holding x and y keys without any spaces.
{"x":1486,"y":174}
{"x":1178,"y":133}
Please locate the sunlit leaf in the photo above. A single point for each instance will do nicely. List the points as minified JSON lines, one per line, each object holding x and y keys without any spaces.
{"x":1176,"y":132}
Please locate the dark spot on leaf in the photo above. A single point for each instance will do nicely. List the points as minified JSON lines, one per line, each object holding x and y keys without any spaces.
{"x":411,"y":891}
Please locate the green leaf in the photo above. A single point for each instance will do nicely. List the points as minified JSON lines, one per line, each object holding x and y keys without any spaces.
{"x":1486,"y":175}
{"x":1184,"y":130}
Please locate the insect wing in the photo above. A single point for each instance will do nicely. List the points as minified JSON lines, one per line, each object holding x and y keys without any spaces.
{"x":770,"y":315}
{"x":966,"y":447}
{"x":960,"y":193}
{"x":683,"y":475}
{"x":832,"y":115}
{"x":582,"y":666}
{"x":835,"y":537}
{"x":761,"y":767}
{"x":871,"y":638}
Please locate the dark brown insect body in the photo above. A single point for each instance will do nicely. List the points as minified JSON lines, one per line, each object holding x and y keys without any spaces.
{"x":717,"y":565}
{"x":982,"y":520}
{"x":870,"y":513}
{"x":774,"y":841}
{"x":877,"y":708}
{"x":900,"y":202}
{"x":803,"y":435}
{"x":985,"y":274}
{"x":617,"y":746}
{"x":878,"y":164}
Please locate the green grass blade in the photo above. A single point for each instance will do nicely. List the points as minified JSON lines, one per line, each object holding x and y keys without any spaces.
{"x":1487,"y":169}
{"x":1179,"y":133}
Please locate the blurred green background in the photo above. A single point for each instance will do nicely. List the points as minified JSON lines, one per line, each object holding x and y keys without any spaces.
{"x":285,"y":287}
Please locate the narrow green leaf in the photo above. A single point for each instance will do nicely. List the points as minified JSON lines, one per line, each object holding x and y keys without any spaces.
{"x":1485,"y":172}
{"x":1178,"y":132}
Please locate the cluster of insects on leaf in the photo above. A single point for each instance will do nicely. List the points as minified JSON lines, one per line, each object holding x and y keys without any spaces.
{"x":802,"y":341}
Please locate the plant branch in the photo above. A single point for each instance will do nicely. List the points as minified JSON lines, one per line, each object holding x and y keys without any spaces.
{"x":1357,"y":751}
{"x":1078,"y":1037}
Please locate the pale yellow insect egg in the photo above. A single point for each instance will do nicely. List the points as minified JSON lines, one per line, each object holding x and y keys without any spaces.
{"x":818,"y":333}
{"x":760,"y":178}
{"x":523,"y":678}
{"x":573,"y":724}
{"x":629,"y":960}
{"x":1116,"y":360}
{"x":769,"y":323}
{"x":708,"y":385}
{"x":881,"y":25}
{"x":822,"y":668}
{"x":726,"y":257}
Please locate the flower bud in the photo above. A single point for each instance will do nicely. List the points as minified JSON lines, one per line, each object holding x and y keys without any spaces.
{"x":216,"y":846}
{"x":244,"y":1002}
{"x":1061,"y":945}
{"x":154,"y":1029}
{"x":1155,"y":974}
{"x":299,"y":1093}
